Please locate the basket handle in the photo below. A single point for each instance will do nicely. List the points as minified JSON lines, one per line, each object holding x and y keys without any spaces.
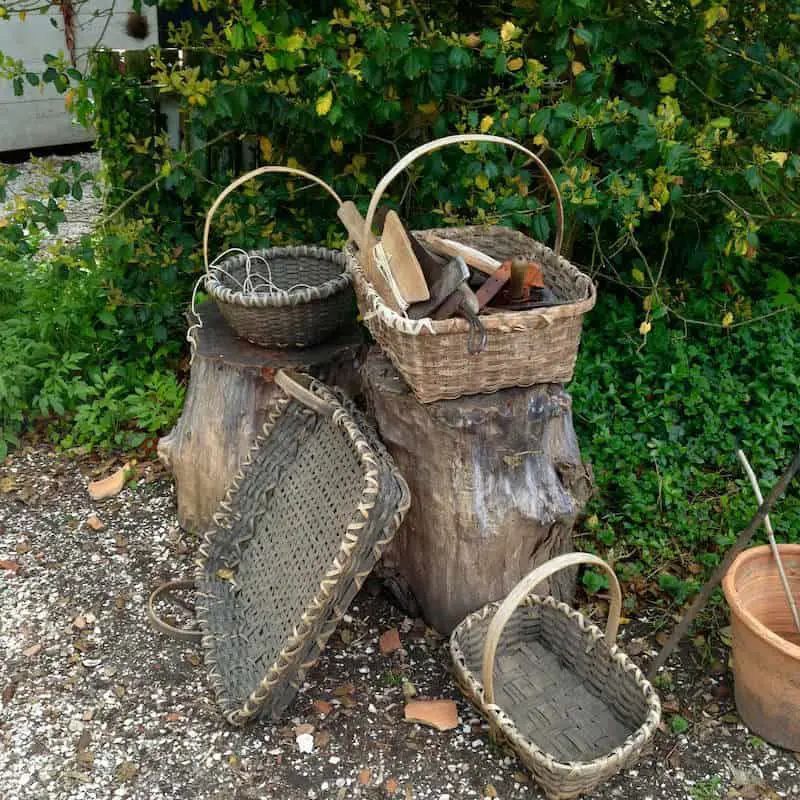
{"x":524,"y":588}
{"x":246,"y":177}
{"x":297,"y":386}
{"x":438,"y":144}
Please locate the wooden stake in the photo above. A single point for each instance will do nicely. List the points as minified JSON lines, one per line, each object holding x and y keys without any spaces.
{"x":741,"y":542}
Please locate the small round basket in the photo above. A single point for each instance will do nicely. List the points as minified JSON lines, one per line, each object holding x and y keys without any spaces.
{"x":570,"y":702}
{"x":284,"y":296}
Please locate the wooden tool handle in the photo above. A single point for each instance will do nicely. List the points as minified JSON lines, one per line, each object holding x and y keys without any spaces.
{"x":352,"y":220}
{"x":472,"y":257}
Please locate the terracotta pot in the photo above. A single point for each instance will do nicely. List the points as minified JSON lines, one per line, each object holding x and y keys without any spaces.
{"x":766,"y":665}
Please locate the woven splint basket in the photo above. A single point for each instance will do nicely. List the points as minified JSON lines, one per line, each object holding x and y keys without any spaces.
{"x":573,"y":706}
{"x":301,"y":527}
{"x":302,"y":296}
{"x":538,"y":345}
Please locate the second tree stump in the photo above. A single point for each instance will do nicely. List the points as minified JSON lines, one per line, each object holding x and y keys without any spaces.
{"x":496,"y":485}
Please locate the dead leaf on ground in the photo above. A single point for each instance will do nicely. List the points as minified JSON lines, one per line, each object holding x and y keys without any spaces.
{"x":8,"y":693}
{"x":439,"y":714}
{"x":390,"y":641}
{"x":489,"y":790}
{"x":84,"y":741}
{"x":299,"y":730}
{"x":346,"y":635}
{"x":21,"y":548}
{"x":79,"y":623}
{"x":113,"y":485}
{"x":321,"y":739}
{"x":8,"y":484}
{"x":726,"y":636}
{"x":391,"y":785}
{"x":11,"y":566}
{"x":94,"y":523}
{"x":409,"y":690}
{"x":342,"y":691}
{"x":33,"y":650}
{"x":364,"y":777}
{"x":127,"y":771}
{"x":85,"y":758}
{"x":322,"y":706}
{"x":173,"y":716}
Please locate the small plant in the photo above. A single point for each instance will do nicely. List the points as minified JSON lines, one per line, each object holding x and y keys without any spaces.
{"x":708,"y":789}
{"x":678,"y":724}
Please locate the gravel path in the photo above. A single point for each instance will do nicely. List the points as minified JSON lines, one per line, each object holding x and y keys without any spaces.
{"x":97,"y":705}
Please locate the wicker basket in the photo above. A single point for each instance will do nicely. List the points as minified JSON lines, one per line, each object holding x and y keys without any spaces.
{"x":574,"y":708}
{"x":524,"y":348}
{"x":304,"y":316}
{"x":298,"y":532}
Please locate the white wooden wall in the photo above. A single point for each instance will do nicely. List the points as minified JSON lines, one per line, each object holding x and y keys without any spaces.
{"x":39,"y":118}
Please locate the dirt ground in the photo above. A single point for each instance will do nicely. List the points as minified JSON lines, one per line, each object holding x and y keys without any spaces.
{"x":95,"y":704}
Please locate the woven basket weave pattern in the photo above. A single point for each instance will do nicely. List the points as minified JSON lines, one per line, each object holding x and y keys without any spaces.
{"x":303,"y":317}
{"x":524,"y":347}
{"x":267,"y":605}
{"x":576,"y":710}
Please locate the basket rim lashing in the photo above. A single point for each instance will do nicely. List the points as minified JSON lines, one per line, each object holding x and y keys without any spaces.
{"x":326,"y":608}
{"x":558,"y":778}
{"x":524,"y":347}
{"x":219,"y":291}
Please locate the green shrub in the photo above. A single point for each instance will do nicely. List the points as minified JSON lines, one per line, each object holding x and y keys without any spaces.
{"x":661,"y":424}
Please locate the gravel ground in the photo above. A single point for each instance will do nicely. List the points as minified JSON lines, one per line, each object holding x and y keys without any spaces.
{"x":97,"y":705}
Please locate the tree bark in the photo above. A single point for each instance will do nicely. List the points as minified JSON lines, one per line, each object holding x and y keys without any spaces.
{"x":496,"y":485}
{"x":230,"y":386}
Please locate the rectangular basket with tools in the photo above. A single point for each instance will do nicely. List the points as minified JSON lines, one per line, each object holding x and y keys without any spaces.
{"x":532,"y":337}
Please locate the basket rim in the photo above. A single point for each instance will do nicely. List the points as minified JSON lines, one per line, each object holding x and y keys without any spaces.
{"x":633,"y":742}
{"x":505,"y":321}
{"x":342,"y":566}
{"x":222,"y":293}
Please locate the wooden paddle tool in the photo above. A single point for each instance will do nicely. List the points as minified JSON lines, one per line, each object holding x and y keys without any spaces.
{"x":402,"y":261}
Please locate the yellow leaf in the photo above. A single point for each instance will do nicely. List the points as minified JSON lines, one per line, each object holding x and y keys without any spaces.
{"x":667,"y":83}
{"x":486,"y":123}
{"x":714,"y":15}
{"x":779,"y":158}
{"x":265,"y":145}
{"x":645,"y":328}
{"x":22,"y":15}
{"x":224,"y":574}
{"x":508,"y":31}
{"x":336,"y":145}
{"x":577,"y":68}
{"x":324,"y":103}
{"x":293,"y":43}
{"x":593,"y":521}
{"x":647,"y":303}
{"x":292,"y":162}
{"x":540,"y":139}
{"x":515,"y":64}
{"x":429,"y":108}
{"x":3,"y":13}
{"x":482,"y":182}
{"x":4,"y":223}
{"x":727,"y":320}
{"x":637,"y":275}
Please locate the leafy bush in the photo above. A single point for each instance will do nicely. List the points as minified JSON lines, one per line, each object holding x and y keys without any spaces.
{"x":66,"y":357}
{"x":661,"y":424}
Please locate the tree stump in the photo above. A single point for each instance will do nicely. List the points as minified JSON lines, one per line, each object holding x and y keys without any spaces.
{"x":496,"y":484}
{"x":230,"y":387}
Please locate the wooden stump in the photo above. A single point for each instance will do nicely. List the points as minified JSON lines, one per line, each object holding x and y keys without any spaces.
{"x":230,"y":387}
{"x":496,"y":484}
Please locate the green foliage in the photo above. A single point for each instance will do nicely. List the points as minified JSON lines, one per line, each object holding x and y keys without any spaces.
{"x":65,"y":358}
{"x":672,"y":130}
{"x":678,"y":724}
{"x":661,"y":424}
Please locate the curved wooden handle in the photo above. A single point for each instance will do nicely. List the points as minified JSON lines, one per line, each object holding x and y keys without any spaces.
{"x":292,"y":384}
{"x":246,"y":177}
{"x":438,"y":144}
{"x":524,"y":588}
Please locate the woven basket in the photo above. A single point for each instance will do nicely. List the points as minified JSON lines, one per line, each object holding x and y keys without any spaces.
{"x":539,"y":345}
{"x":301,"y":317}
{"x":298,"y":532}
{"x":575,"y":708}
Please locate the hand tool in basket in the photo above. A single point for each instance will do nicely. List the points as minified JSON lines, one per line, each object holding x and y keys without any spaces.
{"x":538,"y":346}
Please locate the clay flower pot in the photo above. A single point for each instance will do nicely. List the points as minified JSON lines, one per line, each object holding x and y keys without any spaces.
{"x":766,"y":663}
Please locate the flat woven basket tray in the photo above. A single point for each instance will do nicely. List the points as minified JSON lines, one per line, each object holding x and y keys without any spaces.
{"x":300,"y":529}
